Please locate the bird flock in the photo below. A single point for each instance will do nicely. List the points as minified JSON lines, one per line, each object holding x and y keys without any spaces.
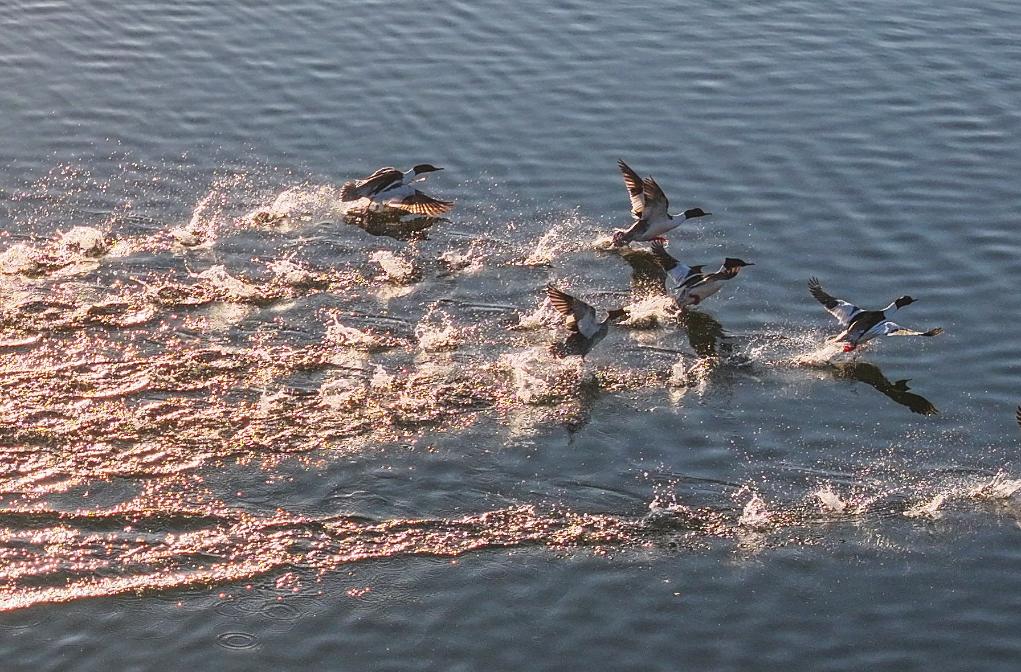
{"x":389,"y":190}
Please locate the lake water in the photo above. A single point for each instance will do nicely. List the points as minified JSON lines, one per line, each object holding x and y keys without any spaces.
{"x":240,"y":431}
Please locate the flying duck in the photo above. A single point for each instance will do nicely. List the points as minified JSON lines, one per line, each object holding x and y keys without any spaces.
{"x":864,"y":325}
{"x":682,"y":276}
{"x":582,"y":320}
{"x":393,"y":188}
{"x":691,"y":286}
{"x":649,"y":208}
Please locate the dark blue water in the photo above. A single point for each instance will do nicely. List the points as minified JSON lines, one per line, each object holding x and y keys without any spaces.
{"x":250,"y":441}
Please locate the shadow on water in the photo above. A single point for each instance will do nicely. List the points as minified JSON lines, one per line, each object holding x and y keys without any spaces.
{"x":647,"y":277}
{"x":706,"y":335}
{"x":392,"y":226}
{"x":898,"y":391}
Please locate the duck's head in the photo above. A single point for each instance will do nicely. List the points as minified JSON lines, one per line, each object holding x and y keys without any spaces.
{"x":731,"y":262}
{"x":423,"y":168}
{"x":903,"y":301}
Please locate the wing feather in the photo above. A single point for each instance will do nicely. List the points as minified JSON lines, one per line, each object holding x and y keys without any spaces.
{"x":655,"y":200}
{"x":894,"y":329}
{"x":838,"y":308}
{"x":635,"y":189}
{"x":421,"y":204}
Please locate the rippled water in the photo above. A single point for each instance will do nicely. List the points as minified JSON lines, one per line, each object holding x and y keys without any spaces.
{"x":240,"y":428}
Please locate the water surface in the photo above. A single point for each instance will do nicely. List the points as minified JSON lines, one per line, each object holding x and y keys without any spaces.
{"x":257,"y":442}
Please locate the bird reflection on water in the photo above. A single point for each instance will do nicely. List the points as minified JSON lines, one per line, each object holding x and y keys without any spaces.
{"x":391,"y":225}
{"x":871,"y":375}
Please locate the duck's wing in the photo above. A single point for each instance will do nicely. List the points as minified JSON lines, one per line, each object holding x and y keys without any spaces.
{"x":683,"y":276}
{"x":581,"y":317}
{"x":1018,"y":416}
{"x":421,"y":204}
{"x":894,"y":329}
{"x":373,"y":184}
{"x":656,"y":203}
{"x":838,"y":308}
{"x":635,"y":189}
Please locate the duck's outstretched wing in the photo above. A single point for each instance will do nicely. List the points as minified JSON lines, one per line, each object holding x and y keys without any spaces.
{"x":656,"y":203}
{"x":581,"y":317}
{"x":373,"y":184}
{"x":838,"y":308}
{"x":635,"y":189}
{"x":894,"y":329}
{"x":421,"y":204}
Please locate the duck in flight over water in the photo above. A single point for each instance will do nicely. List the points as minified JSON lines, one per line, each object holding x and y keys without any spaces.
{"x":393,"y":188}
{"x":860,"y":325}
{"x":649,"y":208}
{"x":691,"y":286}
{"x":582,"y":320}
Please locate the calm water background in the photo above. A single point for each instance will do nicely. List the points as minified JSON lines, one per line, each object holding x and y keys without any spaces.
{"x":874,"y":144}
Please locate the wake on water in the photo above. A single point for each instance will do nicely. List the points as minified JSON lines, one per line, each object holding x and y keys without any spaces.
{"x":172,"y":371}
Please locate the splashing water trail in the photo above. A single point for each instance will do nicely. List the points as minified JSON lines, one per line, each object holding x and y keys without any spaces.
{"x":396,"y":269}
{"x":220,"y":281}
{"x":83,"y":241}
{"x":755,"y":515}
{"x":829,"y":500}
{"x":436,"y":331}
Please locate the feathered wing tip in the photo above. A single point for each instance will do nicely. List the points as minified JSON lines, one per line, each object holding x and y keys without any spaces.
{"x":421,"y":204}
{"x":662,"y":256}
{"x":562,"y":301}
{"x":635,"y":189}
{"x":819,"y":294}
{"x":347,"y":192}
{"x":933,"y":332}
{"x":1018,"y":416}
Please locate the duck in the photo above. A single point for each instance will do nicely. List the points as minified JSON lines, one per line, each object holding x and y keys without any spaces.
{"x":710,"y":283}
{"x":649,"y":208}
{"x":581,"y":319}
{"x":393,"y":188}
{"x":682,"y":276}
{"x":692,"y":286}
{"x":860,"y":325}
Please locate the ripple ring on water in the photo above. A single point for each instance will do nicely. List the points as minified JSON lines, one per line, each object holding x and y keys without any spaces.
{"x":280,"y":611}
{"x":237,"y":641}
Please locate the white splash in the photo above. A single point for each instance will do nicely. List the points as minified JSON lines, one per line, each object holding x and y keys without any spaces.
{"x":755,"y":514}
{"x":395,"y":268}
{"x":435,"y":331}
{"x":343,"y":335}
{"x":694,"y":376}
{"x":552,"y":244}
{"x":298,"y":204}
{"x":1000,"y":487}
{"x":537,"y":378}
{"x":83,"y":241}
{"x":649,"y":312}
{"x":822,"y":354}
{"x":467,"y":262}
{"x":542,"y":317}
{"x":380,"y":378}
{"x":217,"y":278}
{"x":199,"y":231}
{"x":19,"y":259}
{"x":928,"y":508}
{"x":829,"y":500}
{"x":290,"y":273}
